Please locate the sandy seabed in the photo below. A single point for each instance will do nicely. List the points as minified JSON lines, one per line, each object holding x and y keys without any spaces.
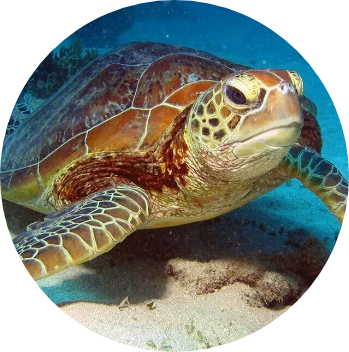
{"x":193,"y":286}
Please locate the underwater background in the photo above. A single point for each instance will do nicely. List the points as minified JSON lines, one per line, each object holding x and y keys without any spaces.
{"x":277,"y":223}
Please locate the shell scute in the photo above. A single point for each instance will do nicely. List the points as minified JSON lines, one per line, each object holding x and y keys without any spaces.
{"x":170,"y":73}
{"x":123,"y":102}
{"x":139,"y":75}
{"x":159,"y":120}
{"x":25,"y":184}
{"x":121,"y":133}
{"x":67,"y":153}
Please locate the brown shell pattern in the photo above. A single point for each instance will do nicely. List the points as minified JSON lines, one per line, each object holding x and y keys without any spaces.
{"x":123,"y":101}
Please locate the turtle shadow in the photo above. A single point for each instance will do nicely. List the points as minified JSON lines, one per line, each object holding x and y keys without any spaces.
{"x":141,"y":267}
{"x":140,"y":281}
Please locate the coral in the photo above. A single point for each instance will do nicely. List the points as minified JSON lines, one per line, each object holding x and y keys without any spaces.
{"x":306,"y":261}
{"x":207,"y":277}
{"x":290,"y":273}
{"x":278,"y":288}
{"x":58,"y":68}
{"x":276,"y":279}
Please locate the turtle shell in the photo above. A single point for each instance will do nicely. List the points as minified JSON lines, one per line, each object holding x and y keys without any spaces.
{"x":122,"y":102}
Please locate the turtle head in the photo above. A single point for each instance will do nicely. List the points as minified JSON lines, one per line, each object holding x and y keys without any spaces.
{"x":245,"y":124}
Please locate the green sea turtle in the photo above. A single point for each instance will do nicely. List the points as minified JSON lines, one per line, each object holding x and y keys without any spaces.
{"x":153,"y":135}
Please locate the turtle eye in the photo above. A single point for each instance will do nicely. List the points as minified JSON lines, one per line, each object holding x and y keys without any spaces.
{"x":235,"y":95}
{"x":241,"y":91}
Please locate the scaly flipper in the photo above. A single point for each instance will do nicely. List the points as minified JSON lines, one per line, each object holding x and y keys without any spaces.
{"x":82,"y":231}
{"x":320,"y":176}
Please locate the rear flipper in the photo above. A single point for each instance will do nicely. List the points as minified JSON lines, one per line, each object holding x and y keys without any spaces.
{"x":82,"y":231}
{"x":320,"y":176}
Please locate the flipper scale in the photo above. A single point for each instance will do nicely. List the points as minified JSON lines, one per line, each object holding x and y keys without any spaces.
{"x":81,"y":231}
{"x":320,"y":176}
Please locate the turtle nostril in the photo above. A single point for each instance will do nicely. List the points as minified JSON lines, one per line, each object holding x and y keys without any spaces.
{"x":286,"y":87}
{"x":283,"y":88}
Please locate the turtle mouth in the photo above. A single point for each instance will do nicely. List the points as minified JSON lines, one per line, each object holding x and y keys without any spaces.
{"x":282,"y":136}
{"x":279,"y":136}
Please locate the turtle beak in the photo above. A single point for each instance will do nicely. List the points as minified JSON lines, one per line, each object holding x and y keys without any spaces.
{"x":284,"y":119}
{"x":278,"y":123}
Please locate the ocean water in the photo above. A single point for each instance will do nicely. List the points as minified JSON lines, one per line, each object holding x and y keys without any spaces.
{"x":247,"y":42}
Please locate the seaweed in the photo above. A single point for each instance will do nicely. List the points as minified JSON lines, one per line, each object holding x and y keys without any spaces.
{"x":151,"y":305}
{"x":197,"y":335}
{"x":124,"y":303}
{"x":164,"y":346}
{"x":57,"y":68}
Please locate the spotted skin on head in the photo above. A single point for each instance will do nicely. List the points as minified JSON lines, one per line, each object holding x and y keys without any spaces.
{"x":82,"y":231}
{"x":211,"y":119}
{"x":215,"y":117}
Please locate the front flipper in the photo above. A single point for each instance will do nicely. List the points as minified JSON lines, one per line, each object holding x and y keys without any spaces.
{"x":320,"y":176}
{"x":82,"y":231}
